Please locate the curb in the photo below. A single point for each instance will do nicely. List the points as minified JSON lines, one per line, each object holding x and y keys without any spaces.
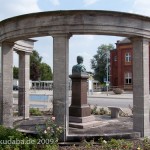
{"x":110,"y":97}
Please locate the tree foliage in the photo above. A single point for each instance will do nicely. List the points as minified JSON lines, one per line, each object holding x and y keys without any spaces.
{"x":38,"y":69}
{"x":45,"y":72}
{"x":99,"y":62}
{"x":35,"y":62}
{"x":15,"y":72}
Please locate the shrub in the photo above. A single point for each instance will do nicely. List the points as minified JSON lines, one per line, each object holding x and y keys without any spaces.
{"x":7,"y":133}
{"x":51,"y":147}
{"x":12,"y":139}
{"x":35,"y":112}
{"x":87,"y":145}
{"x":114,"y":144}
{"x":103,"y":111}
{"x":118,"y":91}
{"x":100,"y":111}
{"x":94,"y":110}
{"x":146,"y":143}
{"x":51,"y":133}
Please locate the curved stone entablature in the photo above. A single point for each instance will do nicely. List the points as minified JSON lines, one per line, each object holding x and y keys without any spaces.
{"x":74,"y":22}
{"x":24,"y":45}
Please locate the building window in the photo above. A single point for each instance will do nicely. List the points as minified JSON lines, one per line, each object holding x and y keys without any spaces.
{"x":128,"y":78}
{"x":115,"y":58}
{"x":127,"y":57}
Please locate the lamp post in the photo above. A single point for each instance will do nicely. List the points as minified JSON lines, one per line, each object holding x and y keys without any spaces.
{"x":107,"y":70}
{"x":107,"y":84}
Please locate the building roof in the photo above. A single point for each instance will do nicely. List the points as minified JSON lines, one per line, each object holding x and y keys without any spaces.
{"x":124,"y":40}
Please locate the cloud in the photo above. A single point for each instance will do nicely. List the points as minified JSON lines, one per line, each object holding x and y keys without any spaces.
{"x":141,"y":7}
{"x":44,"y":46}
{"x":89,"y":2}
{"x":15,"y":59}
{"x":88,"y":37}
{"x":55,"y":2}
{"x":81,"y":45}
{"x":85,"y":37}
{"x":17,"y":7}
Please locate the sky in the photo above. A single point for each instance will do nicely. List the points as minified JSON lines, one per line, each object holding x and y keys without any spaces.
{"x":84,"y":45}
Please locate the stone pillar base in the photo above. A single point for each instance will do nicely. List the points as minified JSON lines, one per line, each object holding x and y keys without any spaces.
{"x":83,"y":122}
{"x":79,"y":111}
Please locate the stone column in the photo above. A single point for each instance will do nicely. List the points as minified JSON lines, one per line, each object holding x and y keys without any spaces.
{"x":24,"y":76}
{"x":141,"y":85}
{"x":1,"y":87}
{"x":6,"y":101}
{"x":61,"y":80}
{"x":1,"y":102}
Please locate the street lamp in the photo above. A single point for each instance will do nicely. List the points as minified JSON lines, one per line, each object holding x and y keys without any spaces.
{"x":107,"y":82}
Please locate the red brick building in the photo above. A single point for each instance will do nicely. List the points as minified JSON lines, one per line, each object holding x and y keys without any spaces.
{"x":121,"y":74}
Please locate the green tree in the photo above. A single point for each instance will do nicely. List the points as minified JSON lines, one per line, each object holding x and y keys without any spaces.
{"x":15,"y":72}
{"x":38,"y":69}
{"x":99,"y":62}
{"x":35,"y":62}
{"x":45,"y":72}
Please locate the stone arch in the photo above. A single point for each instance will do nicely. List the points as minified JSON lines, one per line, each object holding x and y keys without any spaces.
{"x":61,"y":25}
{"x":74,"y":22}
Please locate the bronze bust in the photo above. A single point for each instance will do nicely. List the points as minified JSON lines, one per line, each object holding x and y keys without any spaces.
{"x":79,"y":68}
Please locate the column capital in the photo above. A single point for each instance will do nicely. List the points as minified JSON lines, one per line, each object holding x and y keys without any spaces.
{"x":23,"y":52}
{"x":67,"y":35}
{"x":139,"y":38}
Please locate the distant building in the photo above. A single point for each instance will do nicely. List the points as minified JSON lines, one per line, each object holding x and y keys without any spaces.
{"x":121,"y":74}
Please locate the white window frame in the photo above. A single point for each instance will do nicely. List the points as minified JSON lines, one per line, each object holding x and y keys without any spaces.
{"x":115,"y":58}
{"x":128,"y":78}
{"x":127,"y":57}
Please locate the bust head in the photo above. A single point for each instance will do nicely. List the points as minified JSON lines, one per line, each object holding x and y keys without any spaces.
{"x":79,"y":59}
{"x":79,"y":68}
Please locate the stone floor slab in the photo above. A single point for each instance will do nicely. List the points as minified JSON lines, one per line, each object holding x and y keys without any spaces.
{"x":86,"y":125}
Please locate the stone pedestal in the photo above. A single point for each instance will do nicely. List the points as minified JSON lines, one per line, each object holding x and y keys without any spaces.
{"x":79,"y":106}
{"x":79,"y":110}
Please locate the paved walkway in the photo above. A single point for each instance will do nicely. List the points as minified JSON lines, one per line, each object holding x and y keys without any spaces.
{"x":110,"y":94}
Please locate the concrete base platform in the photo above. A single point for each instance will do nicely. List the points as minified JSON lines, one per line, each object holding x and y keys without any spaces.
{"x":81,"y":119}
{"x":105,"y":127}
{"x":85,"y":125}
{"x":108,"y":126}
